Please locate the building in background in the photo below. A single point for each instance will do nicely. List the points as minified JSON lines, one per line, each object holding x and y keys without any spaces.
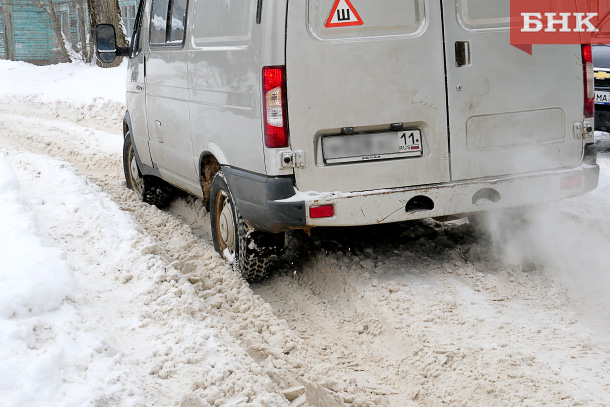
{"x":26,"y":32}
{"x":128,"y":14}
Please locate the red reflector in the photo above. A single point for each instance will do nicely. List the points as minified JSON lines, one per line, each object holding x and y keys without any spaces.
{"x":587,"y":53}
{"x":571,"y":182}
{"x":326,"y":211}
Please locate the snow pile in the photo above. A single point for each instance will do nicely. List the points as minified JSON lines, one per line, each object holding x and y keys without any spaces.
{"x":86,"y":90}
{"x":153,"y":330}
{"x":76,"y":82}
{"x":48,"y":355}
{"x":32,"y":284}
{"x":602,"y":140}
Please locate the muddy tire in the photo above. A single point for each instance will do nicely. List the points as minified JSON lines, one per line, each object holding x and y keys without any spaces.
{"x":151,"y":190}
{"x":157,"y":192}
{"x":230,"y":234}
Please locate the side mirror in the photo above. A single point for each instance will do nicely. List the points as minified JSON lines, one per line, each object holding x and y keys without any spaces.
{"x":105,"y":44}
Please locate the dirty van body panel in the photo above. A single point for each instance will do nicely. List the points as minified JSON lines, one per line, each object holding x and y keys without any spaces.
{"x":136,"y":102}
{"x":509,"y":112}
{"x":168,"y":116}
{"x":367,"y":77}
{"x":167,"y":97}
{"x":136,"y":92}
{"x":273,"y":53}
{"x":224,"y":83}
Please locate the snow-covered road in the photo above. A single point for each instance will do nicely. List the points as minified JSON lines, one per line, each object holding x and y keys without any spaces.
{"x":139,"y":310}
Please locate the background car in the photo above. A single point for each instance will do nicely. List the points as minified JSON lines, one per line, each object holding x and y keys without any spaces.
{"x":601,"y":63}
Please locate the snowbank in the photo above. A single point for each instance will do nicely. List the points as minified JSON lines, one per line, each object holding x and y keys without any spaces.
{"x":74,"y":90}
{"x":33,"y":275}
{"x":137,"y":323}
{"x":48,"y":355}
{"x":77,"y":83}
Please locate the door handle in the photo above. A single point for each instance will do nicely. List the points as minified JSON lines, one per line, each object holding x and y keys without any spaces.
{"x":462,"y":53}
{"x":138,"y":87}
{"x":159,"y":130}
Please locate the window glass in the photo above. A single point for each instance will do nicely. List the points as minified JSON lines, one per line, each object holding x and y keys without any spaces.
{"x":223,"y":21}
{"x":178,"y":21}
{"x":167,"y":22}
{"x":132,"y":18}
{"x":135,"y":39}
{"x":158,"y":21}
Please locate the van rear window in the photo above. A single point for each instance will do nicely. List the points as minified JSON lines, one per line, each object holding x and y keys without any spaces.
{"x":379,"y":18}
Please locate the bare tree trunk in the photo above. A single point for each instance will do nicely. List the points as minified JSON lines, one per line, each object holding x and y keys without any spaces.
{"x":82,"y":23}
{"x":48,"y":7}
{"x":8,"y":31}
{"x":107,"y":12}
{"x":63,"y":52}
{"x":92,"y":22}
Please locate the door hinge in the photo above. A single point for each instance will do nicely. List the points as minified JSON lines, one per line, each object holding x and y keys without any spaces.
{"x":294,"y":159}
{"x":584,"y":129}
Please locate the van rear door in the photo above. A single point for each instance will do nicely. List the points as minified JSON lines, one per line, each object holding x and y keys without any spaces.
{"x":509,"y":112}
{"x":432,"y":66}
{"x":345,"y":75}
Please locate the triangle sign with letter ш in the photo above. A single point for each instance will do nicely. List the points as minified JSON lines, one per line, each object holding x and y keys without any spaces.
{"x":343,"y":14}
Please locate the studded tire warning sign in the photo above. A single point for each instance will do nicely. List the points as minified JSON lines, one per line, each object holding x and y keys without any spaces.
{"x":343,"y":14}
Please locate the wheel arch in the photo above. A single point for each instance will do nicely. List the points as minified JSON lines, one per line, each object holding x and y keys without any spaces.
{"x":210,"y":162}
{"x":144,"y":169}
{"x":126,"y":123}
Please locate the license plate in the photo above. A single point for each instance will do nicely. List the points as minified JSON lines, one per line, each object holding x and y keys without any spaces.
{"x":372,"y":146}
{"x":602,"y":98}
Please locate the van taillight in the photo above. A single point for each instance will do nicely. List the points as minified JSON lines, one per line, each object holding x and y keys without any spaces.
{"x":274,"y":106}
{"x":587,"y":66}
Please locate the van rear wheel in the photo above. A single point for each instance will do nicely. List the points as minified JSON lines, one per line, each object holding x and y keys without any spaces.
{"x":230,"y":234}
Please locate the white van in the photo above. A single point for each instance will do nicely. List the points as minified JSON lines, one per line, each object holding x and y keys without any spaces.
{"x":294,"y":114}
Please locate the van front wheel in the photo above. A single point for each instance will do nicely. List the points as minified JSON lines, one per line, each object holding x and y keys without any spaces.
{"x":150,"y":189}
{"x":230,"y":233}
{"x":133,"y":177}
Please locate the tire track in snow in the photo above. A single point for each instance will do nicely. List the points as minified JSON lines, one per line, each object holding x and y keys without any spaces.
{"x":441,"y":319}
{"x":284,"y":357}
{"x":147,"y":309}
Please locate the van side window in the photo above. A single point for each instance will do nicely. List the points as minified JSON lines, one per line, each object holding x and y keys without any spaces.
{"x":158,"y":21}
{"x":178,"y":13}
{"x":167,"y":22}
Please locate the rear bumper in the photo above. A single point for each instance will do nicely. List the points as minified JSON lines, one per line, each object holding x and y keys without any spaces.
{"x":272,"y":204}
{"x":386,"y":206}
